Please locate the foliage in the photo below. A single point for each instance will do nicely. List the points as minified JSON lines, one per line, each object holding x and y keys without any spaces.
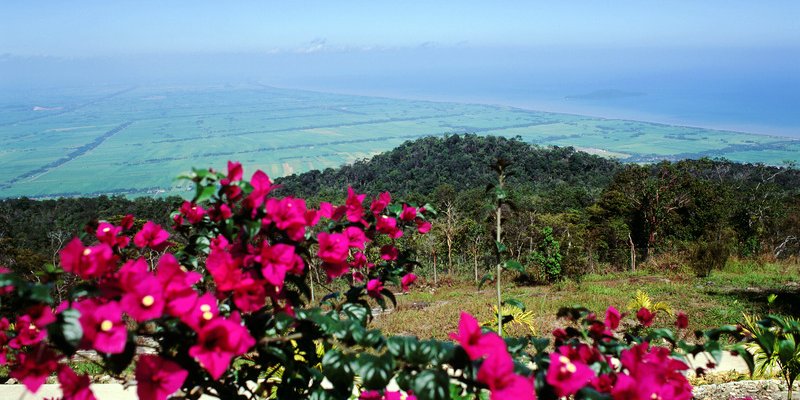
{"x":776,"y":338}
{"x":230,"y":313}
{"x":548,"y":256}
{"x":708,"y":256}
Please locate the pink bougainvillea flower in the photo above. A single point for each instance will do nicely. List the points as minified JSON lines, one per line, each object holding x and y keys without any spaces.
{"x":220,"y":212}
{"x":203,"y":311}
{"x":652,"y":374}
{"x":407,"y":281}
{"x":224,"y":268}
{"x":334,"y":270}
{"x":157,"y":378}
{"x":8,"y":288}
{"x":177,"y":285}
{"x":144,"y":300}
{"x":682,"y":320}
{"x":409,"y":213}
{"x":103,"y":328}
{"x":389,"y":252}
{"x":28,"y":333}
{"x":374,"y":287}
{"x":355,"y":206}
{"x":370,"y":395}
{"x":612,"y":318}
{"x":356,"y":237}
{"x":359,"y":260}
{"x":645,"y":317}
{"x":262,"y":185}
{"x":497,"y":372}
{"x":333,"y":247}
{"x":380,"y":203}
{"x":332,"y":212}
{"x":127,"y":222}
{"x":87,"y":262}
{"x":109,"y":234}
{"x":289,"y":215}
{"x":249,"y":295}
{"x":193,"y":212}
{"x":276,"y":260}
{"x":567,"y":376}
{"x":423,"y":227}
{"x":74,"y":386}
{"x":388,"y":225}
{"x":33,"y":367}
{"x":153,"y":236}
{"x":218,"y":342}
{"x":475,"y":343}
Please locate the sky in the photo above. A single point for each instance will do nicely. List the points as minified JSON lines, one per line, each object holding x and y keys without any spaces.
{"x":716,"y":63}
{"x":80,"y":29}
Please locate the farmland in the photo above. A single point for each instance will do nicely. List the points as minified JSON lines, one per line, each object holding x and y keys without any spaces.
{"x":131,"y":140}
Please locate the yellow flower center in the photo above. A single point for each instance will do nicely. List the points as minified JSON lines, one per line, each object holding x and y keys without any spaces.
{"x":106,"y":229}
{"x":106,"y":325}
{"x":208,"y":315}
{"x":568,"y":365}
{"x":148,"y":300}
{"x":205,"y":308}
{"x":194,"y":208}
{"x":655,"y":396}
{"x":32,"y":327}
{"x":86,"y":252}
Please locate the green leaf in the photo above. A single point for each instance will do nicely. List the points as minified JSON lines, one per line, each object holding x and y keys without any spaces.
{"x":40,"y":293}
{"x":786,"y":349}
{"x":513,"y":265}
{"x":715,"y":350}
{"x":746,"y":356}
{"x":337,"y":368}
{"x":501,"y":248}
{"x":375,"y":372}
{"x":204,"y":193}
{"x":356,"y":311}
{"x":66,"y":333}
{"x":515,"y":303}
{"x":431,"y":385}
{"x":715,"y":333}
{"x":662,"y":333}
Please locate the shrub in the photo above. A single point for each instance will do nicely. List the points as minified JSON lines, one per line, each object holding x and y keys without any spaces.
{"x":708,"y":256}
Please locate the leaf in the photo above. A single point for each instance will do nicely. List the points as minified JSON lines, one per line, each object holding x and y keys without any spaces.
{"x":356,"y":311}
{"x":513,"y":265}
{"x":486,"y":278}
{"x":117,"y":363}
{"x":662,"y":333}
{"x":66,"y":333}
{"x":375,"y":371}
{"x":715,"y":333}
{"x":786,"y":348}
{"x":431,"y":385}
{"x":204,"y":193}
{"x":746,"y":356}
{"x":501,"y":248}
{"x":715,"y":350}
{"x":515,"y":303}
{"x":336,"y":367}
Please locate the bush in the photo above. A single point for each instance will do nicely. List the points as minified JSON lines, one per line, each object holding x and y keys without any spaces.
{"x":708,"y":256}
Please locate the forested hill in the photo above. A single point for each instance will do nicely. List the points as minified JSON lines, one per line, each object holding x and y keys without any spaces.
{"x":418,"y":167}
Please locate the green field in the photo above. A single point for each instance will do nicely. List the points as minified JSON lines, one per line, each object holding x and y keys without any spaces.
{"x":133,"y":140}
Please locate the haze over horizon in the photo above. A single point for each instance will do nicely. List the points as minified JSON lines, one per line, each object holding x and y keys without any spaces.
{"x":717,"y":63}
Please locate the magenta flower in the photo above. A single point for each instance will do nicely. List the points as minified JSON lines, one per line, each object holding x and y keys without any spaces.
{"x":193,"y":212}
{"x":359,"y":260}
{"x":567,"y":376}
{"x":333,"y":247}
{"x":144,"y":300}
{"x":380,"y":203}
{"x":289,"y":215}
{"x":407,"y":281}
{"x":249,"y":295}
{"x":374,"y":287}
{"x":682,"y":320}
{"x":152,"y":236}
{"x":389,"y":252}
{"x":645,"y":317}
{"x":475,"y":343}
{"x":28,"y":333}
{"x":423,"y":227}
{"x":497,"y":372}
{"x":127,"y":222}
{"x":652,"y":373}
{"x":103,"y":329}
{"x":408,"y":214}
{"x":218,"y":342}
{"x":224,"y":268}
{"x":388,"y":225}
{"x":109,"y":234}
{"x":328,"y":211}
{"x":612,"y":318}
{"x":356,"y":237}
{"x":177,"y":285}
{"x":203,"y":311}
{"x":335,"y":270}
{"x":33,"y":368}
{"x":355,"y":206}
{"x":277,"y":260}
{"x":74,"y":386}
{"x":87,"y":262}
{"x":262,"y":185}
{"x":157,"y":378}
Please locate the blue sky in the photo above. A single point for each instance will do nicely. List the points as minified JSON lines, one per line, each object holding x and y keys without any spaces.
{"x":112,"y":28}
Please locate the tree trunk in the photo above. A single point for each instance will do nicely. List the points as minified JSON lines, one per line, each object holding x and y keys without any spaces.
{"x":633,"y":253}
{"x":497,"y":278}
{"x":435,"y":278}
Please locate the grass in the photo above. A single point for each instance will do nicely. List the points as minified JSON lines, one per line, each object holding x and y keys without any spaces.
{"x":742,"y":287}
